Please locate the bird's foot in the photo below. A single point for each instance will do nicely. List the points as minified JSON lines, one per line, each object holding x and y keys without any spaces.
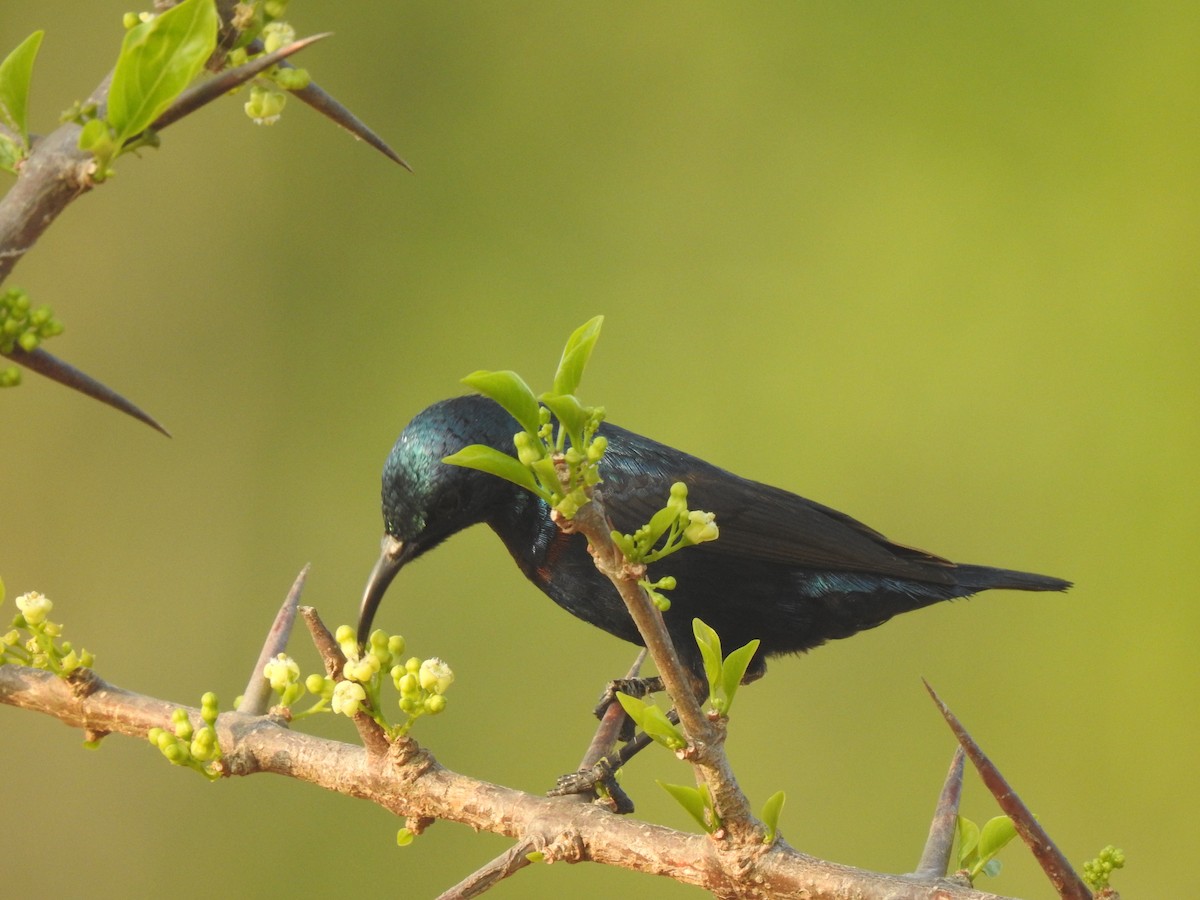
{"x":634,"y":687}
{"x":599,"y":781}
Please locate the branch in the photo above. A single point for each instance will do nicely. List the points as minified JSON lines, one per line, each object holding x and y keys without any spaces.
{"x":408,"y":781}
{"x":706,"y":737}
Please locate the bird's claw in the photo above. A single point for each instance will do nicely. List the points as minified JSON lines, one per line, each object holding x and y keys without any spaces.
{"x":598,"y":780}
{"x":634,"y":687}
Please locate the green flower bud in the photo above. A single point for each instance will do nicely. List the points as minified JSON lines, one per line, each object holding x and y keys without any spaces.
{"x":435,"y":704}
{"x":411,"y":706}
{"x":395,"y":645}
{"x":344,"y":633}
{"x":34,"y":607}
{"x":412,"y":664}
{"x":315,"y":684}
{"x":86,"y":659}
{"x":529,"y":451}
{"x":70,"y":663}
{"x":209,"y":707}
{"x":276,"y":35}
{"x":409,"y":686}
{"x":281,"y":671}
{"x":596,"y":448}
{"x":348,"y":698}
{"x":265,"y":105}
{"x":701,"y":527}
{"x":435,"y":676}
{"x":292,"y":79}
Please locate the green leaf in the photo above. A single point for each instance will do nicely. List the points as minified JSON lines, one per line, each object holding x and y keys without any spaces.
{"x":510,"y":391}
{"x":575,"y":356}
{"x":634,"y":707}
{"x":734,"y":668}
{"x":653,"y":721}
{"x":490,"y":460}
{"x":691,"y":799}
{"x":709,"y":643}
{"x":966,"y":835}
{"x":995,"y":835}
{"x":404,"y":837}
{"x":571,"y":413}
{"x":158,"y":60}
{"x":96,"y":138}
{"x":15,"y":74}
{"x":770,"y":815}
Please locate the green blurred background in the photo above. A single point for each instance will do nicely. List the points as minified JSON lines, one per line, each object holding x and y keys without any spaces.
{"x":933,"y":264}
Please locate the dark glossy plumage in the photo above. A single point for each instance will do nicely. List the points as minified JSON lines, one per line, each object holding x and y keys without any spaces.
{"x":786,"y":570}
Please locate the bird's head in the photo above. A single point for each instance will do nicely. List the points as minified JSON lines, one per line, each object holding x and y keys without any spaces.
{"x":424,"y":499}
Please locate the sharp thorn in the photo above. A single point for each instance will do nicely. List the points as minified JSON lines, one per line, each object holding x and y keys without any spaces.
{"x":50,"y":366}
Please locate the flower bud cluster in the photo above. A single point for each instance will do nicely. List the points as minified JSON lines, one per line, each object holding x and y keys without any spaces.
{"x":1097,"y":872}
{"x":33,"y":641}
{"x":422,"y":684}
{"x":23,"y":327}
{"x":675,"y":526}
{"x":194,"y":748}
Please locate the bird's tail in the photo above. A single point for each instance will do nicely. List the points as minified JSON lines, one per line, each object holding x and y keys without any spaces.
{"x":985,"y":577}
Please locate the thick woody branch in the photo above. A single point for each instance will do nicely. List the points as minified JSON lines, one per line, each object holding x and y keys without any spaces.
{"x":409,"y":782}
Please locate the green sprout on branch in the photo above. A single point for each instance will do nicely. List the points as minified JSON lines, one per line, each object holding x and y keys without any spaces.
{"x":723,"y":674}
{"x":976,"y":849}
{"x":160,"y":56}
{"x":560,"y":464}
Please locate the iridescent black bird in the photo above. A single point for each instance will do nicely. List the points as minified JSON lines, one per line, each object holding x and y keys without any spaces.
{"x":785,"y":570}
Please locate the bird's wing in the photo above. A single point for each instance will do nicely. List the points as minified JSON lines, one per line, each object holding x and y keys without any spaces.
{"x":756,"y":521}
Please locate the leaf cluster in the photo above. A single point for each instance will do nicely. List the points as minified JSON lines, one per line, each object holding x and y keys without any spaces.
{"x":558,"y":464}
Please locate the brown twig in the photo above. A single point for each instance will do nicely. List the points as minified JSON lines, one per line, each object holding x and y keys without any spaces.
{"x":705,"y":737}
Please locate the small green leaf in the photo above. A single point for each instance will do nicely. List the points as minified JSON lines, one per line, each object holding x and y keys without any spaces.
{"x":535,"y":856}
{"x":770,"y":815}
{"x":966,"y":836}
{"x":709,"y":643}
{"x":652,"y":720}
{"x":575,"y":356}
{"x":510,"y":391}
{"x":96,"y":138}
{"x":995,"y":836}
{"x":691,"y":799}
{"x":571,"y":413}
{"x":490,"y":460}
{"x":404,"y":837}
{"x":159,"y":58}
{"x":734,"y":669}
{"x":15,"y":74}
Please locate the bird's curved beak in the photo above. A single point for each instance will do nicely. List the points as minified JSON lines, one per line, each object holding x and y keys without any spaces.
{"x":392,"y":557}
